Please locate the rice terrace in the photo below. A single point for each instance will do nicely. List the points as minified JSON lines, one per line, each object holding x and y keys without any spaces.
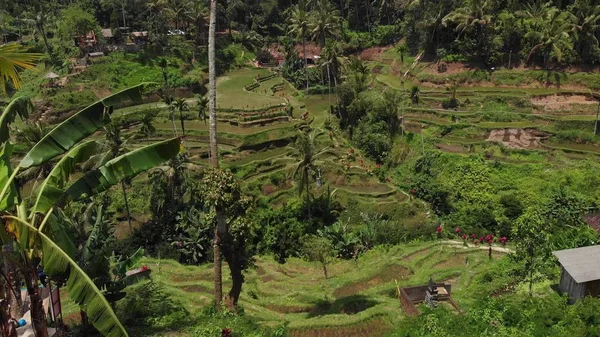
{"x":322,"y":168}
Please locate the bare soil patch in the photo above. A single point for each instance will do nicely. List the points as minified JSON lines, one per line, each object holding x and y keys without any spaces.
{"x":372,"y":54}
{"x":518,"y":138}
{"x":562,"y":102}
{"x":288,"y":309}
{"x":451,"y":68}
{"x":388,"y":274}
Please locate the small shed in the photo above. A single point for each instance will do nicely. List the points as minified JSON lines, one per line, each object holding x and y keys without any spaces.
{"x":580,"y":272}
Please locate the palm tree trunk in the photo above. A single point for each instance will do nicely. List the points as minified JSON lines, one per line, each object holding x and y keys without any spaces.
{"x":40,"y":26}
{"x":174,"y":126}
{"x":305,"y":61}
{"x":182,"y":123}
{"x":214,"y":160}
{"x":127,"y":206}
{"x":308,"y":205}
{"x":329,"y":85}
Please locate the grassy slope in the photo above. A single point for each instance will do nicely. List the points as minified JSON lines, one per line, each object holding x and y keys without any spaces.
{"x":353,"y":295}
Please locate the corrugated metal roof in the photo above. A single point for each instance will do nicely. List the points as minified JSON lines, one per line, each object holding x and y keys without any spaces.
{"x":583,"y":264}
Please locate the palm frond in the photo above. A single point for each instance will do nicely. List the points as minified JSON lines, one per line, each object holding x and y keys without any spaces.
{"x":13,"y":58}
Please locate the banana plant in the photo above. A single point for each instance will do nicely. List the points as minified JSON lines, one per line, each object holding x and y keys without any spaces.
{"x":37,"y":232}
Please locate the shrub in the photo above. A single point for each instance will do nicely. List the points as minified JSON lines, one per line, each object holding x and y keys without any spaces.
{"x":450,"y":103}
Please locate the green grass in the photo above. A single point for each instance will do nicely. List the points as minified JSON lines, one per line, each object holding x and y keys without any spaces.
{"x":231,"y":93}
{"x":297,"y":292}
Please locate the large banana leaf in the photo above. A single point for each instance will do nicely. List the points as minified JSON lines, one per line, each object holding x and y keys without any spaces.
{"x":125,"y":166}
{"x":20,"y":106}
{"x":55,"y":184}
{"x":77,"y":127}
{"x":81,"y":288}
{"x":8,"y":192}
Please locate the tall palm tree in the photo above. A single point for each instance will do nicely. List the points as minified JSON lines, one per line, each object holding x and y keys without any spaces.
{"x":181,"y":105}
{"x":402,"y":50}
{"x":475,"y":17}
{"x":307,"y":152}
{"x":324,"y":22}
{"x":299,"y":27}
{"x":331,"y":60}
{"x":202,"y":107}
{"x":147,"y":129}
{"x":221,"y":227}
{"x":169,"y":101}
{"x":198,"y":14}
{"x":535,"y":11}
{"x":553,"y":36}
{"x":115,"y":142}
{"x":12,"y":59}
{"x":587,"y":26}
{"x":176,"y":9}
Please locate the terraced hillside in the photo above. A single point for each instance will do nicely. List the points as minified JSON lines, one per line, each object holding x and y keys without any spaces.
{"x":358,"y":299}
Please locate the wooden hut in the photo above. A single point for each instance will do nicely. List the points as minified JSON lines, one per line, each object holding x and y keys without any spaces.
{"x":580,"y":272}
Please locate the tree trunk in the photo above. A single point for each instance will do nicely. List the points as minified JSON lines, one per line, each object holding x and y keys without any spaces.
{"x":127,"y":206}
{"x":214,"y":159}
{"x":182,"y":123}
{"x":325,"y":270}
{"x":38,"y":316}
{"x":13,"y":290}
{"x":305,"y":61}
{"x":43,"y":32}
{"x":308,"y":205}
{"x":174,"y":125}
{"x":236,"y":271}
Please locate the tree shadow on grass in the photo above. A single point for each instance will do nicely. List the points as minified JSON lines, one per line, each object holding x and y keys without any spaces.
{"x":349,"y":305}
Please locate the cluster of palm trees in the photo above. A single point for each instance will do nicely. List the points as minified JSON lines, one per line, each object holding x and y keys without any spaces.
{"x":184,"y":14}
{"x":315,"y":21}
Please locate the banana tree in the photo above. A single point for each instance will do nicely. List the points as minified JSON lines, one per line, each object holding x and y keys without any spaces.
{"x":37,"y":232}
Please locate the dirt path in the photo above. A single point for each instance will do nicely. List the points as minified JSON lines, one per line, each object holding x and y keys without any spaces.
{"x":460,"y":244}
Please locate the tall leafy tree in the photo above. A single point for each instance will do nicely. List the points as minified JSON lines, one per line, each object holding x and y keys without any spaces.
{"x":586,"y":28}
{"x":553,"y":36}
{"x":221,"y":223}
{"x":202,"y":107}
{"x":181,"y":106}
{"x":533,"y":250}
{"x":473,"y":17}
{"x":197,"y":13}
{"x":324,"y":23}
{"x":177,"y":10}
{"x":304,"y":169}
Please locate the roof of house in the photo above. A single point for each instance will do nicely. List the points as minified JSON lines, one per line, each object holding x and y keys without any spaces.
{"x":107,"y":33}
{"x":140,"y":34}
{"x":583,"y":264}
{"x":51,"y":75}
{"x":313,"y":51}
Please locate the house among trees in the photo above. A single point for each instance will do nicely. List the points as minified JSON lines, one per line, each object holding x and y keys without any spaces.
{"x":108,"y":35}
{"x":87,"y":41}
{"x":313,"y":53}
{"x":580,"y":272}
